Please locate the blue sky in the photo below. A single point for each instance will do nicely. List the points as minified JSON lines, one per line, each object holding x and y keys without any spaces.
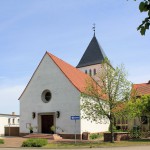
{"x":29,"y":28}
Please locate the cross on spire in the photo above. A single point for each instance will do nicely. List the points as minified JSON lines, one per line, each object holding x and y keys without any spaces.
{"x":94,"y":28}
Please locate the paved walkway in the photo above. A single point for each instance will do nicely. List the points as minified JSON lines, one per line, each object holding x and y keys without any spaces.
{"x":12,"y":142}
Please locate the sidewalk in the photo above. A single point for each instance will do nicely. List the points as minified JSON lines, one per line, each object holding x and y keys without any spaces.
{"x":12,"y":142}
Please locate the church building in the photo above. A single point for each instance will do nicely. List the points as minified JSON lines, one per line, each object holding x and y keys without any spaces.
{"x":53,"y":95}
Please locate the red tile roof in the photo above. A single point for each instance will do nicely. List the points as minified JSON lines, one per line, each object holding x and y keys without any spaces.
{"x":142,"y":89}
{"x":75,"y":76}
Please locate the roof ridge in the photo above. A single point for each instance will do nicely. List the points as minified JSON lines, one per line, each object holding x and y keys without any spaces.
{"x":66,"y":63}
{"x":142,"y":88}
{"x":139,"y":83}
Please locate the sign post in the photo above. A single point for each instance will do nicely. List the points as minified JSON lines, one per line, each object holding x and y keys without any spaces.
{"x":75,"y":118}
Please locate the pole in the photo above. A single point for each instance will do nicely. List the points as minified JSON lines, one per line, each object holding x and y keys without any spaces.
{"x":9,"y":129}
{"x":75,"y":132}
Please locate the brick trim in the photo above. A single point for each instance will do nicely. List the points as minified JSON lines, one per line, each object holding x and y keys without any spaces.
{"x":71,"y":136}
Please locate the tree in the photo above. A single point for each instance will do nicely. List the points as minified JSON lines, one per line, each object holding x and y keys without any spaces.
{"x":144,"y":6}
{"x":101,"y":98}
{"x":137,"y":107}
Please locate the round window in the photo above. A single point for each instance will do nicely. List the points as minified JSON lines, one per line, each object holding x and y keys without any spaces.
{"x":46,"y":96}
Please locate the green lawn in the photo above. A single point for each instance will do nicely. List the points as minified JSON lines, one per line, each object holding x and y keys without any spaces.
{"x":87,"y":144}
{"x":1,"y":141}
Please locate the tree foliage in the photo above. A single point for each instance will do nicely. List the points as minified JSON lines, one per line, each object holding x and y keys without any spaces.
{"x":144,"y":6}
{"x":138,"y":106}
{"x":100,"y":99}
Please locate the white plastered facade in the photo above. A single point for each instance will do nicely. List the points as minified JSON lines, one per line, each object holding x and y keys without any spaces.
{"x":65,"y":99}
{"x":8,"y":120}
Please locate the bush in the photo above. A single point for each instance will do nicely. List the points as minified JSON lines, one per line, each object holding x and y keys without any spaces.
{"x":118,"y":129}
{"x":135,"y":132}
{"x":95,"y":136}
{"x":1,"y":141}
{"x":34,"y":143}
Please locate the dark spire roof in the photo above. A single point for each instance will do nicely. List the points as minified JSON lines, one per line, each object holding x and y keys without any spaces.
{"x":94,"y":54}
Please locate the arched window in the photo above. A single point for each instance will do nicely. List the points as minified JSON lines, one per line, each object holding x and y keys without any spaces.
{"x":90,"y":72}
{"x":94,"y":71}
{"x":86,"y":71}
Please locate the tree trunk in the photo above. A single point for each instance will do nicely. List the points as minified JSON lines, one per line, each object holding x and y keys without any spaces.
{"x":149,"y":122}
{"x":112,"y":129}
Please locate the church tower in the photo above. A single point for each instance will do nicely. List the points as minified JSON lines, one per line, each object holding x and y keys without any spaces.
{"x":92,"y":58}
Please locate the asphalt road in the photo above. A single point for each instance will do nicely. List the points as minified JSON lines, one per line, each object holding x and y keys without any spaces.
{"x":110,"y":148}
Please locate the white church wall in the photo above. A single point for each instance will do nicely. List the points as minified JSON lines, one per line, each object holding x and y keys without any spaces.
{"x":49,"y":76}
{"x":91,"y":126}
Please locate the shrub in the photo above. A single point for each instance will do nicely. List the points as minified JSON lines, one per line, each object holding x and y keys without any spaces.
{"x":1,"y":141}
{"x":95,"y":136}
{"x":135,"y":132}
{"x":34,"y":143}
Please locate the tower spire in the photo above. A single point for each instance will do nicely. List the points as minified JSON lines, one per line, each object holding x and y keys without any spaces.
{"x":94,"y":28}
{"x":93,"y":54}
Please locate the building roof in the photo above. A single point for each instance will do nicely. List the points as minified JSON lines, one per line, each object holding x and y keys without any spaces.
{"x":94,"y":54}
{"x":142,"y":89}
{"x":78,"y":78}
{"x":3,"y":115}
{"x":75,"y":76}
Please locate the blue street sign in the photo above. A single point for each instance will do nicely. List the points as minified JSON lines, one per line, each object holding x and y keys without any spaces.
{"x":75,"y":117}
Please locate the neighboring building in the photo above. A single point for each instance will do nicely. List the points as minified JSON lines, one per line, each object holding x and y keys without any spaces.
{"x":138,"y":90}
{"x":53,"y":95}
{"x":142,"y":89}
{"x":8,"y":120}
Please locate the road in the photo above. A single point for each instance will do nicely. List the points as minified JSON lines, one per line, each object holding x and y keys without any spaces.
{"x":110,"y":148}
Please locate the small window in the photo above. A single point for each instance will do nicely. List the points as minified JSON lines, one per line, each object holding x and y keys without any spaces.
{"x":46,"y":96}
{"x":8,"y":120}
{"x":144,"y":120}
{"x":94,"y":71}
{"x":86,"y":71}
{"x":18,"y":120}
{"x":13,"y":121}
{"x":90,"y":72}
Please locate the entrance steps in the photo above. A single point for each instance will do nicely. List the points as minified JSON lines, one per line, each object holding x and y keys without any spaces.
{"x":44,"y":136}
